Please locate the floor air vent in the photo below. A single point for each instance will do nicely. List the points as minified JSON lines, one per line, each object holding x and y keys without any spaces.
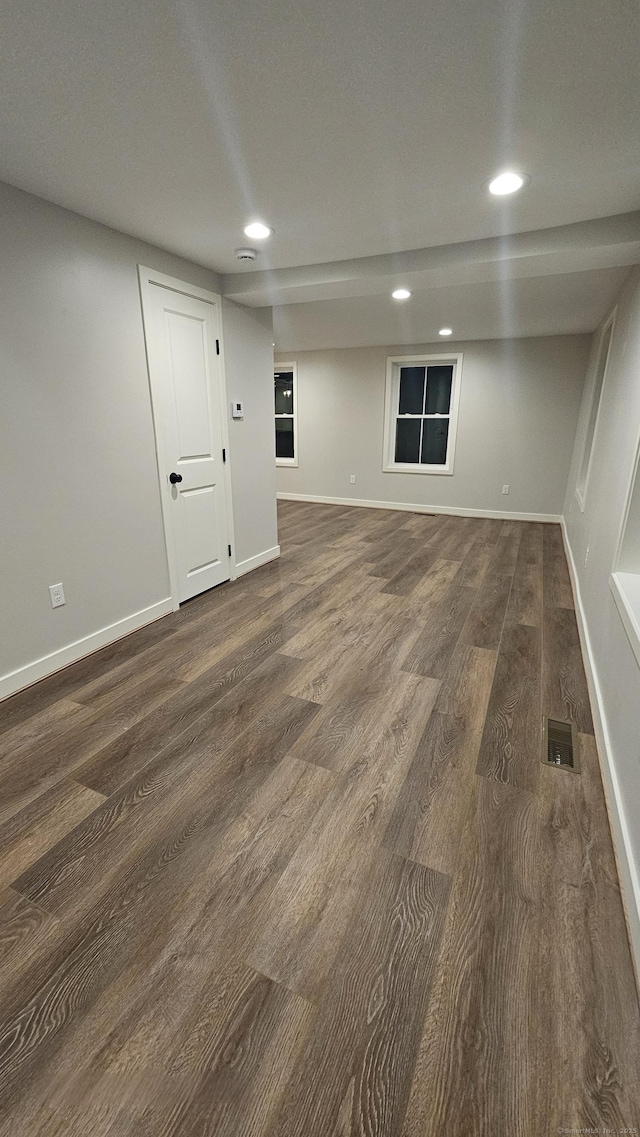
{"x":560,"y":745}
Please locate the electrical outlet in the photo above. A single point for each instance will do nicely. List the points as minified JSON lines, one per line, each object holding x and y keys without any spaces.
{"x":505,"y":489}
{"x":352,"y":479}
{"x":56,"y":592}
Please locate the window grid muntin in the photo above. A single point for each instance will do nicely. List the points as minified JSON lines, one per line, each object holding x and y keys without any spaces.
{"x":403,"y":416}
{"x":292,"y":415}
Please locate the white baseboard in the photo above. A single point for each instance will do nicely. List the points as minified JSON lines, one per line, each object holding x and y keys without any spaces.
{"x":629,"y":882}
{"x":260,"y":559}
{"x":31,"y":672}
{"x":47,"y":664}
{"x":453,"y":510}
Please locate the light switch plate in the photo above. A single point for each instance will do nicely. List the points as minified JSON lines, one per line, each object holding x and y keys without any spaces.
{"x":237,"y":410}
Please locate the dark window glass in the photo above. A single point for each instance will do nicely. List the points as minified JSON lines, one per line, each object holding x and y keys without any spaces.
{"x":284,"y":392}
{"x":284,"y":438}
{"x":411,"y":390}
{"x":434,"y":442}
{"x":408,"y":439}
{"x":439,"y":390}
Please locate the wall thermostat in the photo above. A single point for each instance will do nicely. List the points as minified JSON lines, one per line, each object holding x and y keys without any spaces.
{"x":237,"y":410}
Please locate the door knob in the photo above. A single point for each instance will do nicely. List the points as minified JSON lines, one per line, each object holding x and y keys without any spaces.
{"x":173,"y":478}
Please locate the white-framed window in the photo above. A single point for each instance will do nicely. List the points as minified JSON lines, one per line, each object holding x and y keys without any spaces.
{"x":421,"y":413}
{"x":286,"y":413}
{"x":604,"y":349}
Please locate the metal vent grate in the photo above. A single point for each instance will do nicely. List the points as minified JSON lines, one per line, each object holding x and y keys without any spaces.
{"x":560,"y":745}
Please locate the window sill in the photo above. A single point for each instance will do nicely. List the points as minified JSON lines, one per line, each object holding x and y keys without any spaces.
{"x":286,"y":462}
{"x":625,"y":587}
{"x":398,"y":468}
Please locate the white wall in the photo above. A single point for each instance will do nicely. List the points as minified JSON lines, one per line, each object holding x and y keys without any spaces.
{"x":518,"y":411}
{"x":614,"y":671}
{"x":80,"y":498}
{"x":248,"y":350}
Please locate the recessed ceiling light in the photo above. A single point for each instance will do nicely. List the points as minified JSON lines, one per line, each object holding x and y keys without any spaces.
{"x":258,"y":231}
{"x":445,"y":332}
{"x":508,"y":182}
{"x":401,"y":294}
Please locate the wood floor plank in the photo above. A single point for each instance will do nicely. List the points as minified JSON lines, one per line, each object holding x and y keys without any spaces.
{"x":490,"y":530}
{"x":126,"y":755}
{"x":564,"y":686}
{"x":235,"y":740}
{"x":228,"y":1078}
{"x":588,"y":1001}
{"x":530,"y":550}
{"x":411,"y":574}
{"x":41,"y":728}
{"x":422,"y":600}
{"x":399,"y":550}
{"x":373,"y":1010}
{"x":344,"y":582}
{"x":512,"y":739}
{"x":457,"y":540}
{"x":121,"y":1046}
{"x":338,"y":731}
{"x":426,"y":824}
{"x":557,"y":583}
{"x":23,"y":926}
{"x":475,"y":565}
{"x":525,"y":601}
{"x":483,"y":626}
{"x":298,"y":941}
{"x":323,"y":569}
{"x":341,"y":621}
{"x":132,"y":913}
{"x":40,"y":825}
{"x":108,"y":689}
{"x":432,"y":586}
{"x":262,"y":1027}
{"x":389,"y":522}
{"x":476,"y":1070}
{"x":432,"y":651}
{"x":265,"y":633}
{"x":385,"y":639}
{"x":422,"y":526}
{"x":506,"y":548}
{"x":33,"y":770}
{"x":65,"y":682}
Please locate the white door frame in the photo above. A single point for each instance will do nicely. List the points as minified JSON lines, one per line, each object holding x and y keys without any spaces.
{"x":148,"y":278}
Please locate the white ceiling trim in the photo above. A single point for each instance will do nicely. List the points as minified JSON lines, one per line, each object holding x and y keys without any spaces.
{"x":607,"y":242}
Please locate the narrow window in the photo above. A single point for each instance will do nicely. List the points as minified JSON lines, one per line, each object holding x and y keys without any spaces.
{"x":421,"y":411}
{"x":286,"y":410}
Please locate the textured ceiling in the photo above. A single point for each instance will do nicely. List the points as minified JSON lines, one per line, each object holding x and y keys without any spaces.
{"x":354,"y":129}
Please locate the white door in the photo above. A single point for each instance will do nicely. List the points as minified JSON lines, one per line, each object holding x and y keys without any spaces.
{"x":187,"y":390}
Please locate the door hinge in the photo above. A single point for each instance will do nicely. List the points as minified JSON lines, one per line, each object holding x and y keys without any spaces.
{"x":229,"y":548}
{"x":217,"y":347}
{"x":224,"y":455}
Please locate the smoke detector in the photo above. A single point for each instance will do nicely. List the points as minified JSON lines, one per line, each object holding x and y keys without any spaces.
{"x":246,"y":254}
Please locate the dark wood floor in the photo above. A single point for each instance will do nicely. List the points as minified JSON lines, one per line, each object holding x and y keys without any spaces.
{"x":287,"y":864}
